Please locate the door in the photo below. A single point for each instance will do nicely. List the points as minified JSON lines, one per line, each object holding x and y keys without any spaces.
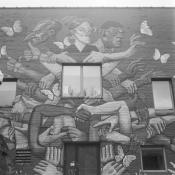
{"x":82,"y":158}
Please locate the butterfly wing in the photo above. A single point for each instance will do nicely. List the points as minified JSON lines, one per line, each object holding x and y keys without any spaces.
{"x":48,"y":93}
{"x":145,"y":29}
{"x":156,"y":55}
{"x":17,"y":27}
{"x":164,"y":58}
{"x":128,"y":159}
{"x":4,"y":50}
{"x":120,"y":155}
{"x":8,"y":31}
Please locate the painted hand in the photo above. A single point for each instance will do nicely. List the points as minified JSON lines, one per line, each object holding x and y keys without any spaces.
{"x":13,"y":65}
{"x":107,"y":153}
{"x":172,"y":171}
{"x":76,"y":135}
{"x":112,"y":120}
{"x":35,"y":51}
{"x":135,"y":67}
{"x":45,"y":138}
{"x":113,"y":168}
{"x":46,"y":81}
{"x":53,"y":155}
{"x":134,"y":44}
{"x":28,"y":55}
{"x":130,"y":86}
{"x":94,"y":57}
{"x":133,"y":38}
{"x":87,"y":108}
{"x":30,"y":89}
{"x":46,"y":168}
{"x":60,"y":58}
{"x":158,"y":124}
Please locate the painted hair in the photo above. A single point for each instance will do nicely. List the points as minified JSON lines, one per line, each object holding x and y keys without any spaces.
{"x":45,"y":25}
{"x":109,"y":24}
{"x":72,"y":21}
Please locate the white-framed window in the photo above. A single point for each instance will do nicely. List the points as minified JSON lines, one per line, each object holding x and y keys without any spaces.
{"x":82,"y":80}
{"x":153,"y":158}
{"x":163,"y":94}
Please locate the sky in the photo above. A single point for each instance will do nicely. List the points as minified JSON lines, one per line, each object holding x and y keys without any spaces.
{"x":87,"y":3}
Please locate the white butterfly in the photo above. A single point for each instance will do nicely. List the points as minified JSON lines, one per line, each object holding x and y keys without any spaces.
{"x":127,"y":159}
{"x":16,"y":28}
{"x":145,"y":29}
{"x":1,"y":76}
{"x":163,"y":58}
{"x":173,"y":42}
{"x":3,"y":51}
{"x":48,"y":93}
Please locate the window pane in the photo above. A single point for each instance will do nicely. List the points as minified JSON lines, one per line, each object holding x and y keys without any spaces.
{"x":153,"y":159}
{"x":71,"y":81}
{"x":92,"y":81}
{"x":162,"y":95}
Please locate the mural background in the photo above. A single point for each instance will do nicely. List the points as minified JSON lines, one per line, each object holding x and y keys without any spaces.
{"x":40,"y":120}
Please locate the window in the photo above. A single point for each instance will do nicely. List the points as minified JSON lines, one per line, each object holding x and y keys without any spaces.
{"x":23,"y":156}
{"x":82,"y":80}
{"x":153,"y":158}
{"x":82,"y":158}
{"x":162,"y":94}
{"x":7,"y":92}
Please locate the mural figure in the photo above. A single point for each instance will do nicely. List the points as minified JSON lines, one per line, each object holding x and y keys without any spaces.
{"x":41,"y":120}
{"x":80,"y":35}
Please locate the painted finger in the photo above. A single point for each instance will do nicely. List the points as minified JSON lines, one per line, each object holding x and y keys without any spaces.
{"x":117,"y":166}
{"x":172,"y":164}
{"x":58,"y":155}
{"x":120,"y":172}
{"x":103,"y":153}
{"x":111,"y":152}
{"x":171,"y":171}
{"x":161,"y":127}
{"x":47,"y":153}
{"x":43,"y":162}
{"x":41,"y":168}
{"x":37,"y":170}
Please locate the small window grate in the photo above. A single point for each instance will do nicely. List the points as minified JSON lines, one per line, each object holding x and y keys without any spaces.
{"x":23,"y":156}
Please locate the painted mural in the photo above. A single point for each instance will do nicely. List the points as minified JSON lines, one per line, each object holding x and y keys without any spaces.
{"x":133,"y":48}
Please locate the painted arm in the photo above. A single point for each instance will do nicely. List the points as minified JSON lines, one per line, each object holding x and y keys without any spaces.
{"x":112,"y":108}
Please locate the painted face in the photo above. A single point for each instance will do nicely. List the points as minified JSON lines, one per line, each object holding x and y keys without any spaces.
{"x":39,"y":36}
{"x":113,"y":36}
{"x":83,"y":32}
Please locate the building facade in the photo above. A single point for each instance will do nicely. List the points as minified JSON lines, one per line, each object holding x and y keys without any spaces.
{"x":95,"y":91}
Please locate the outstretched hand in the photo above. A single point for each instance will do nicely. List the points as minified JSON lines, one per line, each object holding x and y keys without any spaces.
{"x":46,"y":138}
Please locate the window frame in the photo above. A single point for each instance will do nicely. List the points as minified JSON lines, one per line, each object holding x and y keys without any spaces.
{"x":81,"y":143}
{"x":164,"y":111}
{"x":151,"y":147}
{"x":81,"y":69}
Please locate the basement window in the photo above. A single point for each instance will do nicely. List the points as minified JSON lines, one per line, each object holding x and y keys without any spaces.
{"x":153,"y":159}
